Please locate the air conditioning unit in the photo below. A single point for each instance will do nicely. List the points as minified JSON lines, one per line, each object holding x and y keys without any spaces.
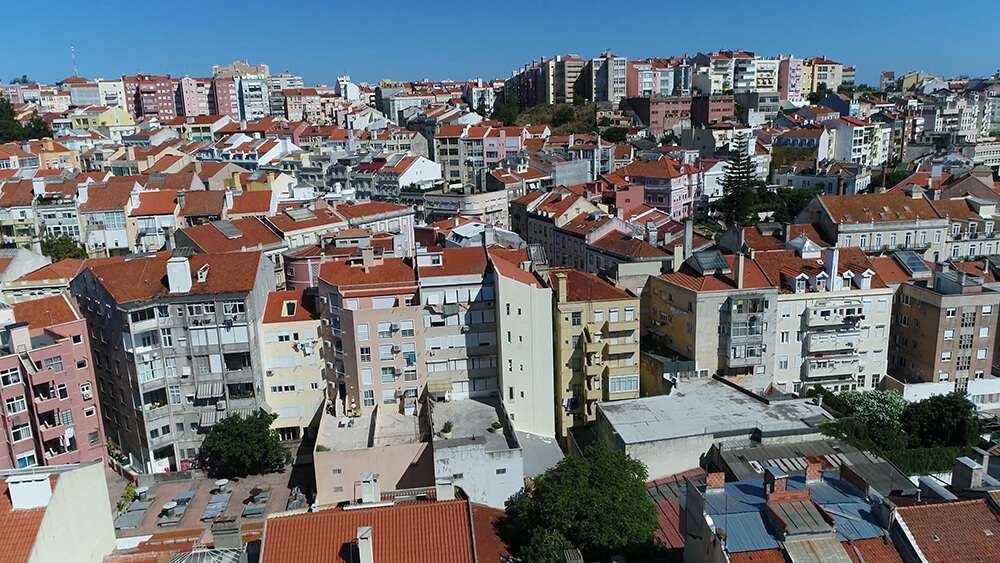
{"x":220,"y":406}
{"x":394,"y":327}
{"x":146,"y":357}
{"x":87,"y":395}
{"x":396,"y":349}
{"x":186,"y":371}
{"x":269,"y":373}
{"x":465,"y":329}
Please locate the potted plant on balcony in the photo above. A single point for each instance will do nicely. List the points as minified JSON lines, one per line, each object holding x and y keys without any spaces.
{"x":446,"y":430}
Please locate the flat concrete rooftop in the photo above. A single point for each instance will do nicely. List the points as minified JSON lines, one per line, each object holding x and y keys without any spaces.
{"x":472,"y":420}
{"x":382,"y":427}
{"x":707,"y":407}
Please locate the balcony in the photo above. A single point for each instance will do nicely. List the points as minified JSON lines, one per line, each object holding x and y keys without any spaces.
{"x":825,"y":342}
{"x":830,"y":369}
{"x":620,"y":349}
{"x":51,"y":431}
{"x":595,"y":369}
{"x":594,"y":347}
{"x":622,"y":326}
{"x":822,"y":315}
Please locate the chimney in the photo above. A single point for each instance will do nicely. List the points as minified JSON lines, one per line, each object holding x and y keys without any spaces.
{"x":688,"y":236}
{"x":29,"y":491}
{"x":38,"y":186}
{"x":367,"y":258}
{"x":229,"y":199}
{"x":678,"y":260}
{"x":561,"y":282}
{"x":179,"y":274}
{"x":967,"y":474}
{"x":181,"y":199}
{"x":366,"y":550}
{"x":740,"y":268}
{"x":814,"y":470}
{"x":775,"y":480}
{"x":832,"y":264}
{"x":237,"y":185}
{"x":715,"y":481}
{"x":788,"y":232}
{"x":82,"y":192}
{"x":370,"y":491}
{"x":444,"y":489}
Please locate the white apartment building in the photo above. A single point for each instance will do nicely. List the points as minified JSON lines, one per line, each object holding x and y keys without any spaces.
{"x":254,"y":97}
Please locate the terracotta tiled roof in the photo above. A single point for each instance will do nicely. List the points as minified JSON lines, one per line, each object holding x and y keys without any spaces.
{"x":17,"y":194}
{"x":978,"y":268}
{"x":662,"y":168}
{"x":211,"y":240}
{"x":457,"y":262}
{"x":627,"y":246}
{"x":753,"y":277}
{"x":63,"y":269}
{"x":20,"y":527}
{"x":45,"y":312}
{"x":256,"y":202}
{"x":431,"y":532}
{"x":954,"y":531}
{"x":584,"y":286}
{"x":776,"y":262}
{"x":759,"y":556}
{"x":200,"y":203}
{"x":142,"y":279}
{"x":370,"y":209}
{"x":874,"y":550}
{"x":285,"y":224}
{"x":305,"y":308}
{"x":583,"y":224}
{"x":162,"y":202}
{"x":107,"y":197}
{"x":391,"y":272}
{"x":877,"y":208}
{"x":507,"y":262}
{"x":889,"y":270}
{"x":955,"y":209}
{"x":755,"y":240}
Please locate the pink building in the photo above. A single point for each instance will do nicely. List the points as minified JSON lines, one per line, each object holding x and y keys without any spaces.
{"x":51,"y":414}
{"x":224,"y":98}
{"x":150,"y":96}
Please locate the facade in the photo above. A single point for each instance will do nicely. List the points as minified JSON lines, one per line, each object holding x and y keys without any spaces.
{"x":150,"y":96}
{"x":596,"y":346}
{"x":51,"y":411}
{"x":944,"y":330}
{"x":290,"y":356}
{"x":176,"y":348}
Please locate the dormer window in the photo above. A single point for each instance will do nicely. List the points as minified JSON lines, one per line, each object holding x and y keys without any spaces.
{"x":988,"y":227}
{"x":972,"y":228}
{"x":288,"y":309}
{"x":956,"y":228}
{"x":800,"y":285}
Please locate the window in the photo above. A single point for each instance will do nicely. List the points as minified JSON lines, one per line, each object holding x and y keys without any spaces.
{"x":239,"y":308}
{"x":85,"y":391}
{"x":174,"y":394}
{"x":166,"y":338}
{"x":984,"y":332}
{"x":784,"y":336}
{"x":576,"y":318}
{"x":10,"y":376}
{"x":629,"y":313}
{"x":141,"y":315}
{"x":502,"y":471}
{"x":384,"y":330}
{"x":284,"y":337}
{"x":406,"y":329}
{"x":623,"y":383}
{"x":54,"y":363}
{"x":949,"y":334}
{"x":388,"y":396}
{"x":981,"y":354}
{"x":946,"y":356}
{"x":366,"y":376}
{"x":21,"y":432}
{"x":388,"y":375}
{"x":949,"y":312}
{"x":77,"y":339}
{"x":987,"y":310}
{"x":368,"y":398}
{"x":362,"y":333}
{"x":16,"y":404}
{"x":26,"y":460}
{"x":385,"y":352}
{"x":365,"y":354}
{"x":90,"y":411}
{"x":783,"y":362}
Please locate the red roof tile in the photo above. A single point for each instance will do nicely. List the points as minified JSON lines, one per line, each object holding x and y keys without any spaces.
{"x":45,"y":312}
{"x":390,"y":272}
{"x":20,"y":527}
{"x":255,"y":202}
{"x":211,"y":240}
{"x":584,"y":286}
{"x":954,"y":531}
{"x":200,"y":203}
{"x":163,"y":202}
{"x":305,"y":307}
{"x":142,"y":279}
{"x":370,"y":209}
{"x":432,"y":532}
{"x":627,"y":246}
{"x":457,"y":262}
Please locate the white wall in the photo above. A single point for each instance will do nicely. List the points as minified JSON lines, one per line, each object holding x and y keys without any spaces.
{"x":77,"y":525}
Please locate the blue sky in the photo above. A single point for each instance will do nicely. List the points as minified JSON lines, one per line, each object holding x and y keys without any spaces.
{"x":320,"y":39}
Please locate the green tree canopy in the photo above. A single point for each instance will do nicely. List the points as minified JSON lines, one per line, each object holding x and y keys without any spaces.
{"x":942,"y":420}
{"x":12,"y":130}
{"x":614,"y":134}
{"x":597,"y":503}
{"x":62,"y":247}
{"x":563,"y":114}
{"x":506,"y":112}
{"x":238,"y":446}
{"x":875,"y":408}
{"x":740,"y":186}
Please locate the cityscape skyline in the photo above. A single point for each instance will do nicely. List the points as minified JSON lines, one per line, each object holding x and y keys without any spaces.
{"x":393,"y":53}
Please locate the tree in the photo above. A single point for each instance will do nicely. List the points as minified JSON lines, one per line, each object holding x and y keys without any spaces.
{"x":786,"y":203}
{"x":562,"y":114}
{"x":597,"y":503}
{"x":12,"y":130}
{"x":506,"y":112}
{"x":740,"y":186}
{"x":875,"y":408}
{"x":36,"y":128}
{"x":23,"y":79}
{"x":239,"y":446}
{"x":614,"y":134}
{"x":481,"y":109}
{"x":942,"y":420}
{"x":670,"y":138}
{"x":891,"y":179}
{"x":62,"y":247}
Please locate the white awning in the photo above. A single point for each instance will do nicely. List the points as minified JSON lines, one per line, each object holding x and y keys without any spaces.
{"x":209,"y":390}
{"x":208,"y":418}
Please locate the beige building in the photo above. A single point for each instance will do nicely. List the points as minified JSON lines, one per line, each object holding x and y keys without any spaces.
{"x":290,"y":357}
{"x":596,"y":352}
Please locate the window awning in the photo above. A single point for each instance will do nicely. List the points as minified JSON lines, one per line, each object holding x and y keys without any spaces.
{"x":208,"y":418}
{"x":209,"y":390}
{"x":244,"y":412}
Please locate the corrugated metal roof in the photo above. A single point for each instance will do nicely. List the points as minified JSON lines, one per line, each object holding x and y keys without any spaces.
{"x":820,"y":550}
{"x":745,"y":531}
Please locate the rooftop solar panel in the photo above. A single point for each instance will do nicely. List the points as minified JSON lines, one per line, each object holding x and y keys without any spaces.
{"x":227,"y":229}
{"x":912,"y":262}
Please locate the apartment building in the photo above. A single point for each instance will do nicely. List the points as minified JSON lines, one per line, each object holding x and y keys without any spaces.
{"x":254,"y":97}
{"x":781,"y":320}
{"x":790,"y":79}
{"x":290,"y":343}
{"x":668,"y":185}
{"x":51,"y":414}
{"x":944,"y":330}
{"x":176,"y":348}
{"x":524,"y":342}
{"x":879,"y":222}
{"x":537,"y":214}
{"x":596,"y":345}
{"x":605,"y":78}
{"x":150,"y":96}
{"x":821,"y":73}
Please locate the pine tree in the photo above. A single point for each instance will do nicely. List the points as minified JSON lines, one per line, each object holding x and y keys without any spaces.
{"x":740,"y":186}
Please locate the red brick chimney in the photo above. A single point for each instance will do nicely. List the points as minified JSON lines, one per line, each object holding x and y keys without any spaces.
{"x":716,"y":480}
{"x":814,"y":470}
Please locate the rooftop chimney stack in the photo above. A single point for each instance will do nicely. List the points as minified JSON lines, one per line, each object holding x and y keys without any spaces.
{"x":775,"y":480}
{"x":561,"y":286}
{"x":688,"y":237}
{"x":832,"y":264}
{"x":366,"y":550}
{"x":29,"y":491}
{"x":814,"y":470}
{"x":179,"y":274}
{"x":370,"y":491}
{"x":740,"y":267}
{"x":444,"y":489}
{"x":967,"y":474}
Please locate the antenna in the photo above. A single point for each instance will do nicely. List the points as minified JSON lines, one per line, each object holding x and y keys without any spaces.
{"x":72,"y":56}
